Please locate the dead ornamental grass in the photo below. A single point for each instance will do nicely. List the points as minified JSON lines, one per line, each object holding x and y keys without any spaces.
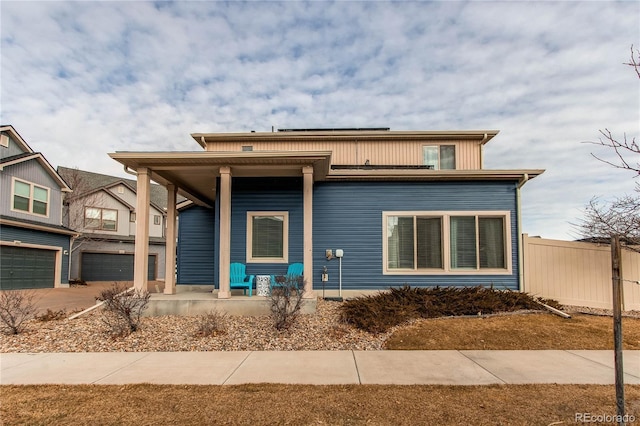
{"x":523,"y":332}
{"x":267,"y":404}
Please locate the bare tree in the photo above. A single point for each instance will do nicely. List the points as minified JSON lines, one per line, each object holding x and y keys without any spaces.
{"x":622,"y":215}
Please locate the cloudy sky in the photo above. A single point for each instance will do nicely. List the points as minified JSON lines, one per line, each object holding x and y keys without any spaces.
{"x":81,"y":79}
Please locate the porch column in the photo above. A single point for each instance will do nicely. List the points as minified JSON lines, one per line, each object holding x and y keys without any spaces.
{"x":141,"y":257}
{"x":307,"y":173}
{"x":170,"y":248}
{"x":224,"y":291}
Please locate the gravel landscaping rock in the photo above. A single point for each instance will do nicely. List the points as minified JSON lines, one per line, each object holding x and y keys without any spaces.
{"x":320,"y":331}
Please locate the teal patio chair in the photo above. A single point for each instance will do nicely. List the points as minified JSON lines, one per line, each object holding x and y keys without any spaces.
{"x":294,"y":270}
{"x":239,"y":279}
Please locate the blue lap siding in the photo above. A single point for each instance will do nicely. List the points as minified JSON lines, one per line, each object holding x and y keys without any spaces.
{"x":346,"y":215}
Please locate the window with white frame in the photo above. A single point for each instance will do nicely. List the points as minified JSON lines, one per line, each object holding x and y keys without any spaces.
{"x":156,"y":219}
{"x":439,"y":157}
{"x":30,"y":198}
{"x":446,"y":242}
{"x":100,"y":219}
{"x":268,"y":237}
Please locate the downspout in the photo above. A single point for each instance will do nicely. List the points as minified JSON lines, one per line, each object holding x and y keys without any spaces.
{"x":521,"y":183}
{"x":131,"y":172}
{"x":482,"y":142}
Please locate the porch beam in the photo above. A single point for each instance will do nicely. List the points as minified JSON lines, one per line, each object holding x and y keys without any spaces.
{"x":224,"y":290}
{"x":141,"y":256}
{"x":170,"y":247}
{"x":307,"y":173}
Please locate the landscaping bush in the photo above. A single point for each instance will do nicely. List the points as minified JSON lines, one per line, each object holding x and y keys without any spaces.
{"x":378,"y":313}
{"x":286,"y":301}
{"x":212,"y":323}
{"x":51,"y":315}
{"x":16,"y":307}
{"x":123,"y":308}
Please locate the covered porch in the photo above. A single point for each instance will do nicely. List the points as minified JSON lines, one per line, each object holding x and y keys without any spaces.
{"x":205,"y":178}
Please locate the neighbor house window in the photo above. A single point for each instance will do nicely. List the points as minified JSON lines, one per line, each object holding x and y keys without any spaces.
{"x":268,"y":237}
{"x":132,"y":217}
{"x":4,"y":140}
{"x":101,"y":219}
{"x":439,"y":157}
{"x":30,"y":198}
{"x":156,"y":219}
{"x":446,"y":242}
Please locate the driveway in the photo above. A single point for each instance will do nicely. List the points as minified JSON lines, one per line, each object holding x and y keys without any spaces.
{"x":78,"y":298}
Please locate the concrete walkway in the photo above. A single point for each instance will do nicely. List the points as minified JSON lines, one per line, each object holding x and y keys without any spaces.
{"x":319,"y":367}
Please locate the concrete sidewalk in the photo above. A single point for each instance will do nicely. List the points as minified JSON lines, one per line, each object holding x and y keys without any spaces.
{"x":319,"y":367}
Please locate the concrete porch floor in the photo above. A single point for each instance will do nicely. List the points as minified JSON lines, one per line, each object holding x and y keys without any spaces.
{"x":198,"y":300}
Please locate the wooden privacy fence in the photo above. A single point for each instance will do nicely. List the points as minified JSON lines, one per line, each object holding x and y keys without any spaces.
{"x":577,"y":273}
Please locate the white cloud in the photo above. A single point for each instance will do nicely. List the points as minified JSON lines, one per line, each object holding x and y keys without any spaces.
{"x":80,"y":79}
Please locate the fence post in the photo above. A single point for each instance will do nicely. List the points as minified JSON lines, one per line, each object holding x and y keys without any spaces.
{"x":616,"y":274}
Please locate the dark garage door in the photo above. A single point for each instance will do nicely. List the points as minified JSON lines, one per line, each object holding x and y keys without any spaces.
{"x":24,"y":268}
{"x":112,"y":267}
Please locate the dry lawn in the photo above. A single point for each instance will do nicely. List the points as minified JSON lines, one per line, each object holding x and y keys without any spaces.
{"x":506,"y":332}
{"x":268,"y":404}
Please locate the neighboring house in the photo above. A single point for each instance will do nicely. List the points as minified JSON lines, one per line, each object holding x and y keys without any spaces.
{"x":405,"y":207}
{"x":103,"y":210}
{"x":34,"y":246}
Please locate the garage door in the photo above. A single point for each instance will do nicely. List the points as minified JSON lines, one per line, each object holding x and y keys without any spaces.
{"x":25,"y":268}
{"x":112,"y":267}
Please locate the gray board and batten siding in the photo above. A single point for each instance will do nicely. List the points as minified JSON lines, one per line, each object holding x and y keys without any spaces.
{"x":31,"y":171}
{"x":347,"y":216}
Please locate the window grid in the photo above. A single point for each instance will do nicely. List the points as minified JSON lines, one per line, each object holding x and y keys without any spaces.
{"x":490,"y":253}
{"x":30,"y":198}
{"x":263,"y":244}
{"x":100,"y":219}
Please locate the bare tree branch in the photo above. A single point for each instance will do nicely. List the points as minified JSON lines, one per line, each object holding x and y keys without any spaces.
{"x":635,"y":61}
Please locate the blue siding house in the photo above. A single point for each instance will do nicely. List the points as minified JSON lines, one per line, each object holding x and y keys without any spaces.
{"x":34,"y":245}
{"x":403,"y":207}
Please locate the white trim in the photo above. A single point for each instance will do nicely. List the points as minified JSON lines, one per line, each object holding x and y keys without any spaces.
{"x":446,"y":243}
{"x":285,"y":237}
{"x":31,"y":199}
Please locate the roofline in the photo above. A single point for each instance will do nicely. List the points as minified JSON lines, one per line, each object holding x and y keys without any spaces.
{"x":337,"y":135}
{"x":16,"y":136}
{"x":43,"y":161}
{"x":434,"y":175}
{"x":42,"y":227}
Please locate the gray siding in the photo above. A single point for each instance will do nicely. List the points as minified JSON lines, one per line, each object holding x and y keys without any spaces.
{"x":32,"y":172}
{"x":12,"y":149}
{"x":348,"y":216}
{"x":30,"y":236}
{"x":195,"y":251}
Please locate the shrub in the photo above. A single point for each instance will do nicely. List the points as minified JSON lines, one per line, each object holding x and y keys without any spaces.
{"x":212,"y":323}
{"x":286,"y":301}
{"x":123,"y":308}
{"x":378,"y":313}
{"x":16,"y":307}
{"x":51,"y":315}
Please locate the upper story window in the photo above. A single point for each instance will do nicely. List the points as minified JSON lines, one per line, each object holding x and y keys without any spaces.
{"x":439,"y":157}
{"x":102,"y":219}
{"x":30,"y":198}
{"x":268,"y":237}
{"x":446,"y":242}
{"x":156,"y":219}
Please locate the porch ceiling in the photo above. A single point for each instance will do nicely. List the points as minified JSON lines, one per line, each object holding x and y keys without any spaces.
{"x":195,"y":173}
